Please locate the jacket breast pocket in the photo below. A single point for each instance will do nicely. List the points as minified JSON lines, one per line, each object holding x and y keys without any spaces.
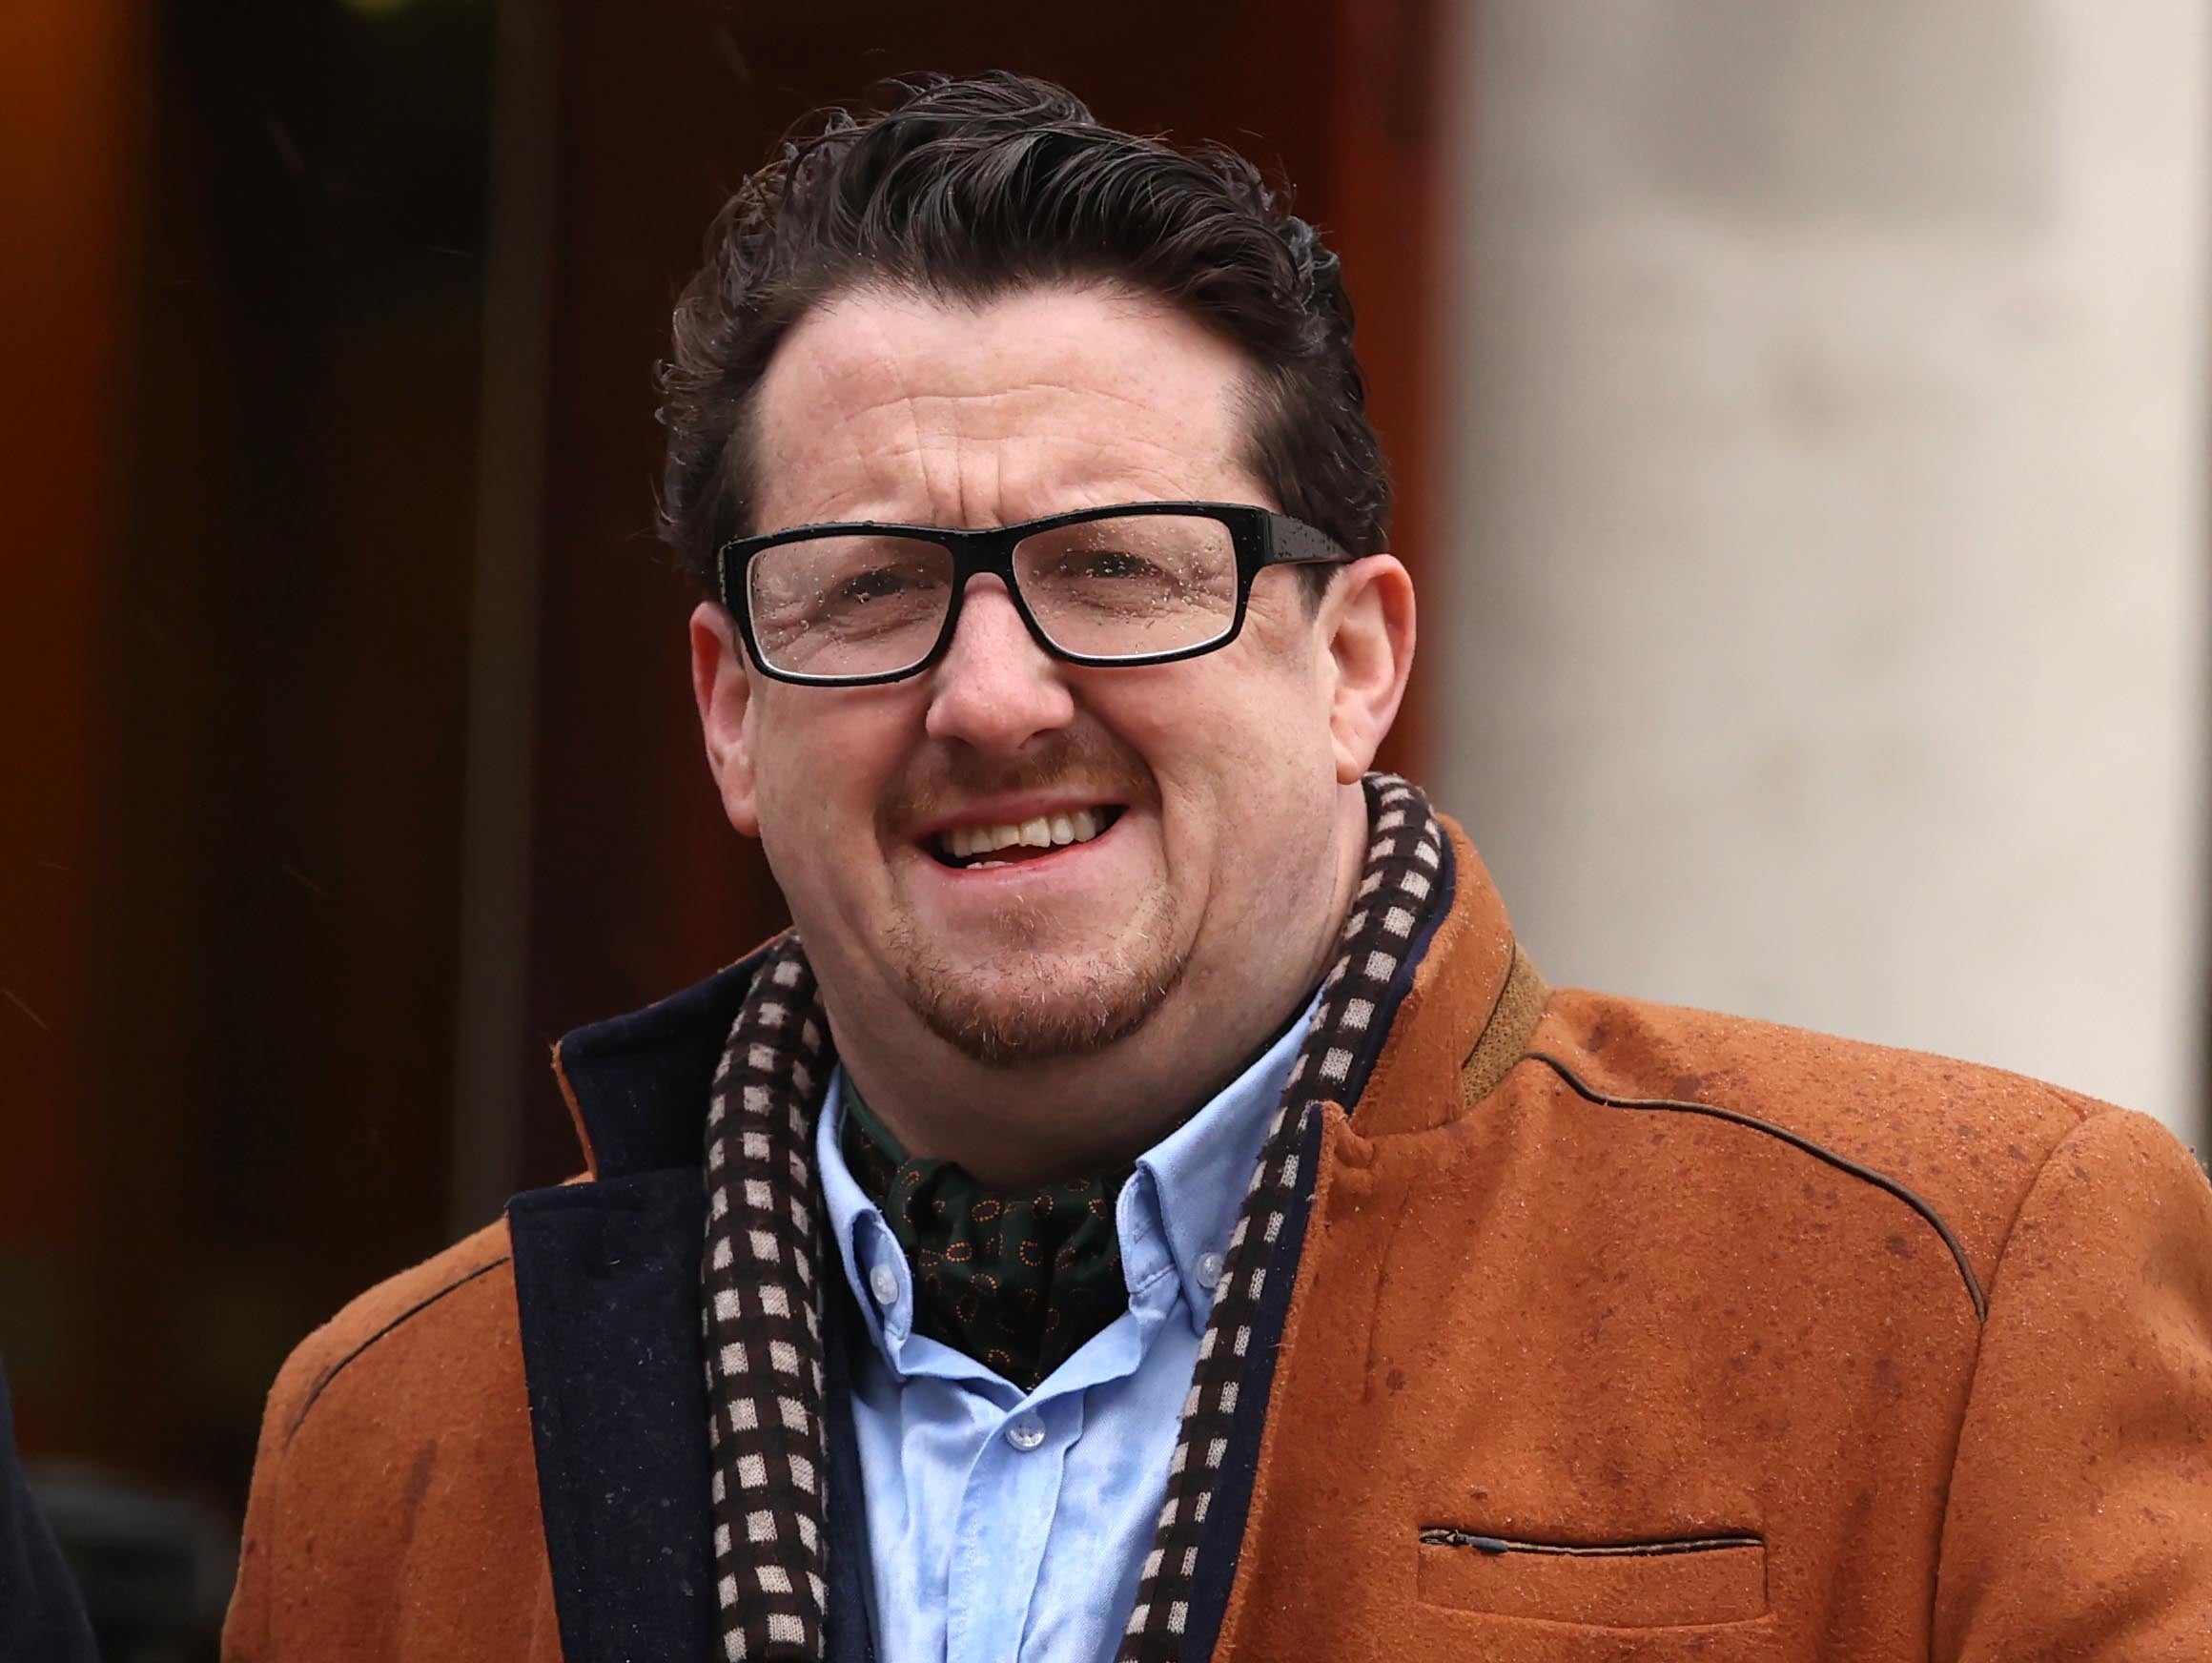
{"x":1659,"y":1583}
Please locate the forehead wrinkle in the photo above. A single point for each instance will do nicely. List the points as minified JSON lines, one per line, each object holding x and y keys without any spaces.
{"x":994,"y":477}
{"x":992,"y":458}
{"x":985,"y":398}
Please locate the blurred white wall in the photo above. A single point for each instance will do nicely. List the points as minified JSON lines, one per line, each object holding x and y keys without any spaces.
{"x":1821,"y":632}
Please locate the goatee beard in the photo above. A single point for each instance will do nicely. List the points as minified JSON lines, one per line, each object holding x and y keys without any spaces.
{"x":1026,"y":1009}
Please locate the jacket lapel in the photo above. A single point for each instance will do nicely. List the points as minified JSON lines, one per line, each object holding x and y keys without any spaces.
{"x":607,"y":1281}
{"x":607,"y":1295}
{"x":607,"y":1285}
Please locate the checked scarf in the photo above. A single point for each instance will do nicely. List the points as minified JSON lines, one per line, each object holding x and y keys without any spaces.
{"x":768,"y":1260}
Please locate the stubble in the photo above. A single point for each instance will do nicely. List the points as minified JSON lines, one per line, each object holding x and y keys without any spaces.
{"x":1034,"y":1004}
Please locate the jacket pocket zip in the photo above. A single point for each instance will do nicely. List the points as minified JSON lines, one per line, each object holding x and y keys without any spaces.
{"x":1445,"y":1536}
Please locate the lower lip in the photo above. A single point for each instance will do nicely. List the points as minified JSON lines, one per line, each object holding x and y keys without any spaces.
{"x":1057,"y":860}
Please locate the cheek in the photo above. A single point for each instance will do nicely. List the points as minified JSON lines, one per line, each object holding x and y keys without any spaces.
{"x":1239,"y":753}
{"x":1272,"y":718}
{"x":821,"y":767}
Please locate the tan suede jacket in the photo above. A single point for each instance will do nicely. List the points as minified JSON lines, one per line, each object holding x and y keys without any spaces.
{"x":1618,"y":1332}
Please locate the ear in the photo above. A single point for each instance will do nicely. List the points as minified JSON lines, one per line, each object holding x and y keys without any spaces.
{"x":719,"y":684}
{"x":1366,"y":624}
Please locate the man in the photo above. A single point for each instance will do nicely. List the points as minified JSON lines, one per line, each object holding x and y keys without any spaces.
{"x":1151,"y":1206}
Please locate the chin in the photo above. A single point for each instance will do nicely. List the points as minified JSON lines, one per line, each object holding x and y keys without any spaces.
{"x":1017,"y":1032}
{"x":1056,"y":1005}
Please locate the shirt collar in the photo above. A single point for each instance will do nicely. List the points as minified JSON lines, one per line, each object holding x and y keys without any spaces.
{"x":1189,"y":1186}
{"x":865,"y":1243}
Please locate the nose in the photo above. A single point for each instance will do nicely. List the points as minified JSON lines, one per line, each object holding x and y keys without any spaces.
{"x":996,"y":689}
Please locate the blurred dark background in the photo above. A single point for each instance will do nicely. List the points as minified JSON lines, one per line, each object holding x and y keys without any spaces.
{"x":347,"y":747}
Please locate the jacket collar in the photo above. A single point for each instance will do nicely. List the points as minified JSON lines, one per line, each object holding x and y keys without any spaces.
{"x":1466,"y":1020}
{"x":637,"y":1085}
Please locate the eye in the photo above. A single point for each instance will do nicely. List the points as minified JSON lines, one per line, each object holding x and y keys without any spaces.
{"x":880,"y":583}
{"x":1108,"y":563}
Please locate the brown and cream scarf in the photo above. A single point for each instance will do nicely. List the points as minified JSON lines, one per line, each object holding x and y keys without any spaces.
{"x":766,"y":1259}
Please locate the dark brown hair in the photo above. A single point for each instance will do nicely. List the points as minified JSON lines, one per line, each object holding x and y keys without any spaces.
{"x":967,"y":189}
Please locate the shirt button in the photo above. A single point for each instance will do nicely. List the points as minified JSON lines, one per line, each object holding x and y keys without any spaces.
{"x":883,"y":1283}
{"x":1024,"y":1434}
{"x":1209,"y":1268}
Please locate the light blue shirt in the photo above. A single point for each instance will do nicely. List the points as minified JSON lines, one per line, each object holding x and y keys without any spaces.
{"x":1009,"y":1527}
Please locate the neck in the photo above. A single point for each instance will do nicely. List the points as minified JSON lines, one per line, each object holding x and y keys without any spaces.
{"x":1070,"y":1117}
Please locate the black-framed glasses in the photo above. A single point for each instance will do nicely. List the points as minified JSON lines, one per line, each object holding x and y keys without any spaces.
{"x":1141,"y":583}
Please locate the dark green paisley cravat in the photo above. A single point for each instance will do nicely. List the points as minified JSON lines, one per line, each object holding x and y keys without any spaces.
{"x":1015,"y":1279}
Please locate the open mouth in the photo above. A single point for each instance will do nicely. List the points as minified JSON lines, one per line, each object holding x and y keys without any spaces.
{"x":971,"y":848}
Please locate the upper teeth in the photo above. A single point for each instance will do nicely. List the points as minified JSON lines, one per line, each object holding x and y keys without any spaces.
{"x":1045,"y":831}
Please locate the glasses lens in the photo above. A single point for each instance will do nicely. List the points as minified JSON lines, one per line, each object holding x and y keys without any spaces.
{"x":854,"y":604}
{"x":1131,"y":585}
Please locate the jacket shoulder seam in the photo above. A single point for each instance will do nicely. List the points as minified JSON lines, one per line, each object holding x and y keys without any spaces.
{"x":1819,"y":1151}
{"x":329,"y":1373}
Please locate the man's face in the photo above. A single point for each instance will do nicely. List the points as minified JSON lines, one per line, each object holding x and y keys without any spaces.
{"x":1202,"y":797}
